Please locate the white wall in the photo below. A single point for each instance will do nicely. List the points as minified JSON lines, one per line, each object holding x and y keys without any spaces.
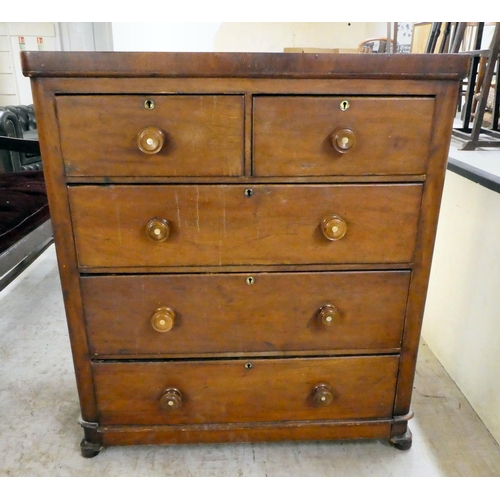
{"x":274,"y":37}
{"x":462,"y":314}
{"x":14,"y":87}
{"x":167,"y":37}
{"x":251,"y":37}
{"x":85,"y":36}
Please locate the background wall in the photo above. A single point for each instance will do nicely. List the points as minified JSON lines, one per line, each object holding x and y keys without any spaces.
{"x":237,"y":37}
{"x":274,"y":37}
{"x":462,"y":315}
{"x":86,"y":36}
{"x":14,"y":37}
{"x":168,"y":37}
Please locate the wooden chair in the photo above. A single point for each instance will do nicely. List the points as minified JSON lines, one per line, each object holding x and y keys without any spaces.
{"x":373,"y":46}
{"x":484,"y":67}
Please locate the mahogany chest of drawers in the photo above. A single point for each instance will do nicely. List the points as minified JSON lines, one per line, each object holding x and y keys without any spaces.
{"x":244,"y":240}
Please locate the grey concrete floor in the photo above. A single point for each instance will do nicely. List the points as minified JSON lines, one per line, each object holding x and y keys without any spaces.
{"x":39,"y":434}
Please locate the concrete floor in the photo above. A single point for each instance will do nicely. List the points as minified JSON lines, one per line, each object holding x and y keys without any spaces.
{"x":39,"y":434}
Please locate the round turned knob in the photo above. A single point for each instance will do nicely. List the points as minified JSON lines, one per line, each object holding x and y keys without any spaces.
{"x":163,"y":319}
{"x":150,"y":140}
{"x":171,"y":399}
{"x":158,"y":229}
{"x":343,"y":140}
{"x":333,"y":227}
{"x":328,"y":315}
{"x":322,"y":395}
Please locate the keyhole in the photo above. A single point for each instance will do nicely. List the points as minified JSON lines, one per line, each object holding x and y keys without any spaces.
{"x":344,"y":105}
{"x":248,"y":366}
{"x":248,"y":193}
{"x":149,"y":104}
{"x":250,"y":280}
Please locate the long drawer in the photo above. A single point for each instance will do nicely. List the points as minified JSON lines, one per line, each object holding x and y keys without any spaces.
{"x":139,"y":135}
{"x":237,"y":313}
{"x":344,"y":135}
{"x":188,"y":225}
{"x":198,"y":392}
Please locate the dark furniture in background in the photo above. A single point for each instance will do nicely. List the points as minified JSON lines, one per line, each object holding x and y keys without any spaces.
{"x":25,"y":227}
{"x":480,"y":101}
{"x":482,"y":95}
{"x":19,"y":122}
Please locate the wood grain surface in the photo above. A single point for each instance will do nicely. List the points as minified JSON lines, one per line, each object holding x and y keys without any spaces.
{"x":245,"y":391}
{"x":292,"y":135}
{"x":221,"y":313}
{"x":222,"y":225}
{"x":203,"y":135}
{"x":243,"y":178}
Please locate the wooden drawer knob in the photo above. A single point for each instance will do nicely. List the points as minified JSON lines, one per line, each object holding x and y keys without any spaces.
{"x":150,"y":140}
{"x":333,"y":227}
{"x":322,"y":395}
{"x":171,"y":399}
{"x":158,"y":229}
{"x":163,"y":319}
{"x":343,"y":140}
{"x":328,"y":315}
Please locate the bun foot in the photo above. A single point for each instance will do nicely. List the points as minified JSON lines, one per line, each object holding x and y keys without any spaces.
{"x":89,"y":450}
{"x":403,"y":441}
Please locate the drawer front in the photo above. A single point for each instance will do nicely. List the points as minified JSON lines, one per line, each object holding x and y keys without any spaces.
{"x":295,"y":136}
{"x":203,"y":135}
{"x":245,"y":390}
{"x":115,"y":226}
{"x":222,"y":313}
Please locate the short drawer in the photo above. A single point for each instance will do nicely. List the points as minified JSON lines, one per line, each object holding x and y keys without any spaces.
{"x":348,"y":135}
{"x":245,"y":390}
{"x":119,"y":135}
{"x":191,"y":225}
{"x":233,"y":313}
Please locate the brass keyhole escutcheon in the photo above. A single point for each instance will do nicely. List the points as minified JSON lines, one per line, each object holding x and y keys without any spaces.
{"x":250,"y":280}
{"x":248,"y":366}
{"x":149,"y":104}
{"x":248,"y":193}
{"x":344,"y":105}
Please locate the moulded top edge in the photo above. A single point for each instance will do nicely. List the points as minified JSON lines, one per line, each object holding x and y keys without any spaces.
{"x":244,"y":65}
